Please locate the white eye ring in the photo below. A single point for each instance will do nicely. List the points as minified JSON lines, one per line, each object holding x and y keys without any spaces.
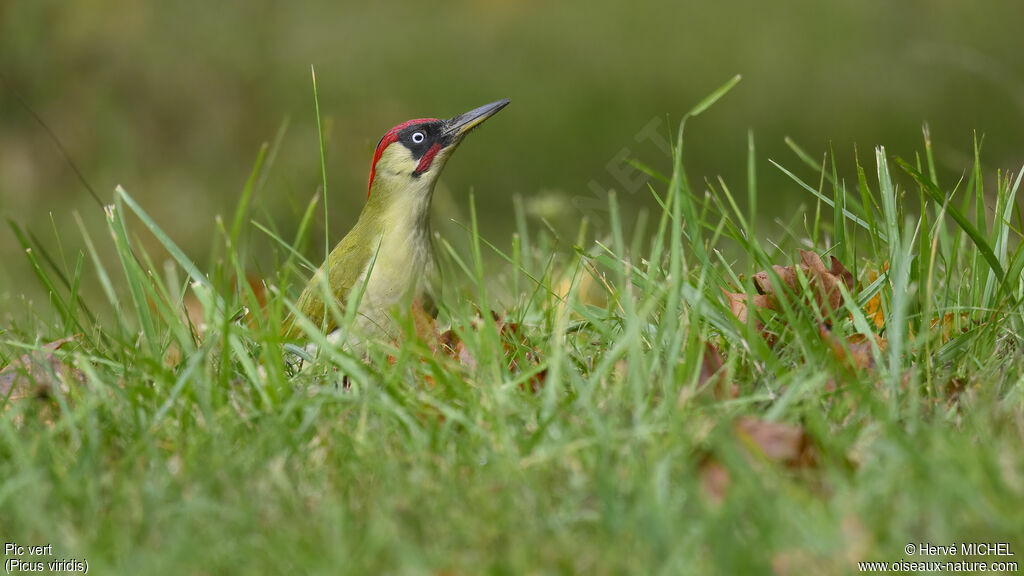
{"x":418,"y":137}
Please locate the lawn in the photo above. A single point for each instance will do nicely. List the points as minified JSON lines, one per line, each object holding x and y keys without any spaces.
{"x":700,"y":391}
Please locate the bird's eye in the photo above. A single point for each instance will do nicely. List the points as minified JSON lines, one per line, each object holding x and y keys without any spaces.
{"x":418,"y":137}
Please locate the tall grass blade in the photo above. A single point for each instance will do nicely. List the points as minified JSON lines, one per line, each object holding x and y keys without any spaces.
{"x":939,"y":198}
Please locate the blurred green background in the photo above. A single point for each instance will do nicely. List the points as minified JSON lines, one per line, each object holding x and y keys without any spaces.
{"x":172,"y":100}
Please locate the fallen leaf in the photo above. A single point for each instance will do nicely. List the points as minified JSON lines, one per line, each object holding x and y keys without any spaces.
{"x":714,"y":478}
{"x":786,"y":274}
{"x":425,"y":326}
{"x":823,"y":282}
{"x":739,"y":305}
{"x":38,"y":372}
{"x":873,"y":309}
{"x":740,"y":302}
{"x":711,"y":366}
{"x":519,"y":352}
{"x":950,"y":325}
{"x":456,"y":349}
{"x":711,"y":376}
{"x":822,"y":289}
{"x":772,"y":442}
{"x":856,"y":350}
{"x":777,"y":442}
{"x":844,"y":275}
{"x":955,"y":388}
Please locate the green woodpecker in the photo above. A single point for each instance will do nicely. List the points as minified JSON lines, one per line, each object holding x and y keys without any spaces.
{"x":394,"y":225}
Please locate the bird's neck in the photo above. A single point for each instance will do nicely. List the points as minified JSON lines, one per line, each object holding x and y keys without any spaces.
{"x":401,"y":206}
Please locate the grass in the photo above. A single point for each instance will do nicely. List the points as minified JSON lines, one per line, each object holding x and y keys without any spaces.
{"x":189,"y":444}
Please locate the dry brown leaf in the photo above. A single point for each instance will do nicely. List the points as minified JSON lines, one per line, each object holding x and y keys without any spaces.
{"x":825,"y":285}
{"x":777,"y":442}
{"x":714,"y":478}
{"x":455,"y":348}
{"x":844,"y":275}
{"x":425,"y":325}
{"x":823,"y":289}
{"x":772,"y":442}
{"x":711,"y":377}
{"x":763,"y":282}
{"x":518,"y":350}
{"x":711,"y":366}
{"x":38,"y":372}
{"x":823,"y":282}
{"x":739,"y":304}
{"x":955,"y":389}
{"x":856,"y":351}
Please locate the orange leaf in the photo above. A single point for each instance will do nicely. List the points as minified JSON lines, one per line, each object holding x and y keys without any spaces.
{"x":873,"y":308}
{"x":951,"y":325}
{"x":856,"y":351}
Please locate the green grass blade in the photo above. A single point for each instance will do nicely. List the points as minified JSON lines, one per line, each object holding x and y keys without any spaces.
{"x":247,"y":192}
{"x":134,"y":275}
{"x":715,"y":96}
{"x":177,"y":253}
{"x":817,"y":194}
{"x":323,"y":173}
{"x":965,"y":224}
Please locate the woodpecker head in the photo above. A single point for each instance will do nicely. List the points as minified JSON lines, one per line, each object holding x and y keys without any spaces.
{"x":412,"y":154}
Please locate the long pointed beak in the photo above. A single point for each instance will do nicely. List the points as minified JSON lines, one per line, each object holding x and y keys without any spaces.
{"x":460,"y":125}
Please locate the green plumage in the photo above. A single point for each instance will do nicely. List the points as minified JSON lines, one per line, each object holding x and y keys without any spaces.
{"x":343,"y":267}
{"x":394,"y":224}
